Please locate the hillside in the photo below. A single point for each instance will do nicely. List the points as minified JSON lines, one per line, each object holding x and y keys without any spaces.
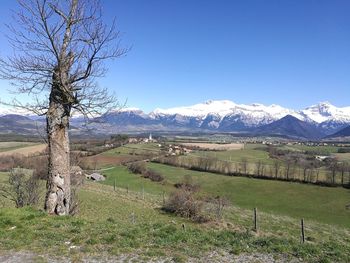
{"x":115,"y":225}
{"x":292,"y":127}
{"x":342,"y":133}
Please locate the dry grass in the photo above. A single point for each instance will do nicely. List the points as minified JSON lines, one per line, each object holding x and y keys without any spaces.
{"x":216,"y":146}
{"x":29,"y":150}
{"x":342,"y":156}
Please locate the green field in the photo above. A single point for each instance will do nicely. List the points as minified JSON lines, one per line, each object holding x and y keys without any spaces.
{"x":115,"y":222}
{"x":321,"y":150}
{"x":129,"y":220}
{"x":144,"y":148}
{"x":321,"y":204}
{"x":250,"y":153}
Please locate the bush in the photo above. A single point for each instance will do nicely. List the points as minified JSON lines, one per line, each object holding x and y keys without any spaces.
{"x":22,"y":188}
{"x":188,"y":184}
{"x":153,"y":175}
{"x":184,"y":203}
{"x":137,"y":167}
{"x":140,"y":168}
{"x":344,"y":150}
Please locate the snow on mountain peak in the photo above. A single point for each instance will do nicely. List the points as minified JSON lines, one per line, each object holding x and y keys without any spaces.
{"x":201,"y":110}
{"x":325,"y":112}
{"x":252,"y":115}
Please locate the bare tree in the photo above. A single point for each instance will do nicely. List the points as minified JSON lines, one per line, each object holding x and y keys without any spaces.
{"x":22,"y":188}
{"x":288,"y":167}
{"x":244,"y":165}
{"x":333,"y":169}
{"x":60,"y":48}
{"x":259,"y":168}
{"x":276,"y":168}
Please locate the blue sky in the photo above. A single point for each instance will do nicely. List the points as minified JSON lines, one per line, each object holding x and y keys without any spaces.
{"x":292,"y":52}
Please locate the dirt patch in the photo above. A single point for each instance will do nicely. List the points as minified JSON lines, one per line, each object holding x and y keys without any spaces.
{"x":213,"y":257}
{"x":216,"y":146}
{"x":26,"y":151}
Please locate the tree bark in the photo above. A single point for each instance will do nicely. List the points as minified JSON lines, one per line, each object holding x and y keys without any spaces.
{"x":58,"y":183}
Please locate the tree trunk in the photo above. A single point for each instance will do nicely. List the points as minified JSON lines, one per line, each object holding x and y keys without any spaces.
{"x":58,"y":183}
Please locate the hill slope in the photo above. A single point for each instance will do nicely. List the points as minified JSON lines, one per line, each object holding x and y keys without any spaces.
{"x":290,"y":126}
{"x":342,"y":133}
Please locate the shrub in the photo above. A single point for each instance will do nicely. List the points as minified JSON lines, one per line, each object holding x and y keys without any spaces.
{"x":22,"y":188}
{"x":153,"y":175}
{"x":140,"y":168}
{"x":183,"y":203}
{"x":137,"y":167}
{"x":188,"y":184}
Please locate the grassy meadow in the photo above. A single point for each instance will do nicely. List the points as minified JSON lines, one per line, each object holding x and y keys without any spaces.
{"x":128,"y":220}
{"x":320,"y":204}
{"x":115,"y":222}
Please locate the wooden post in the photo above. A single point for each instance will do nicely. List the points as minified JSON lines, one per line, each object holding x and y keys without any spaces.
{"x":133,"y":218}
{"x":114,"y":185}
{"x":255,"y":219}
{"x":302,"y":231}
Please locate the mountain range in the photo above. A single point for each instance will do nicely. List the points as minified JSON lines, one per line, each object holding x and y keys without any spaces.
{"x":314,"y":122}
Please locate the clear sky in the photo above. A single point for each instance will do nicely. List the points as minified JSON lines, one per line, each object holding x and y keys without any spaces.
{"x":294,"y":53}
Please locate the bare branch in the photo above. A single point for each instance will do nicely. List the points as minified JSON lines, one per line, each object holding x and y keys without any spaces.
{"x":47,"y":35}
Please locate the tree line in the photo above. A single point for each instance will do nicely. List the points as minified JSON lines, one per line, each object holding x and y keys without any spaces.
{"x":332,"y":173}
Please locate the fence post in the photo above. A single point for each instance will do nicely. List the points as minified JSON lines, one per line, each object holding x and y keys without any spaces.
{"x":133,"y":218}
{"x":255,"y":220}
{"x":114,"y":185}
{"x":302,"y":231}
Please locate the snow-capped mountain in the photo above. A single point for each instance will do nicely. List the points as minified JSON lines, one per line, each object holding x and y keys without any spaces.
{"x":201,"y":110}
{"x":326,"y":112}
{"x":328,"y":117}
{"x":213,"y":113}
{"x":220,"y":115}
{"x":227,"y":115}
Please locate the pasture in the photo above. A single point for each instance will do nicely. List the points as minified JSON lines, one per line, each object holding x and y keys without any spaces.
{"x":113,"y":223}
{"x":216,"y":146}
{"x":316,"y":203}
{"x":22,"y":148}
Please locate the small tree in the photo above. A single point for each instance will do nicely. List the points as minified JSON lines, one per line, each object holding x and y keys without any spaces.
{"x":22,"y":188}
{"x":60,"y":49}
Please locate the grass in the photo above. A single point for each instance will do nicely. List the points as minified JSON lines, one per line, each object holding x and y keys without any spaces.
{"x":125,"y":179}
{"x":343,"y":156}
{"x":251,"y":155}
{"x":321,"y":150}
{"x":143,"y":148}
{"x":316,"y":203}
{"x":322,"y":204}
{"x":104,"y":227}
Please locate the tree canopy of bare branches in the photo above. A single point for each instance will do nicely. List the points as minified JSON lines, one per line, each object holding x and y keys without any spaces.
{"x":59,"y":49}
{"x":63,"y":37}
